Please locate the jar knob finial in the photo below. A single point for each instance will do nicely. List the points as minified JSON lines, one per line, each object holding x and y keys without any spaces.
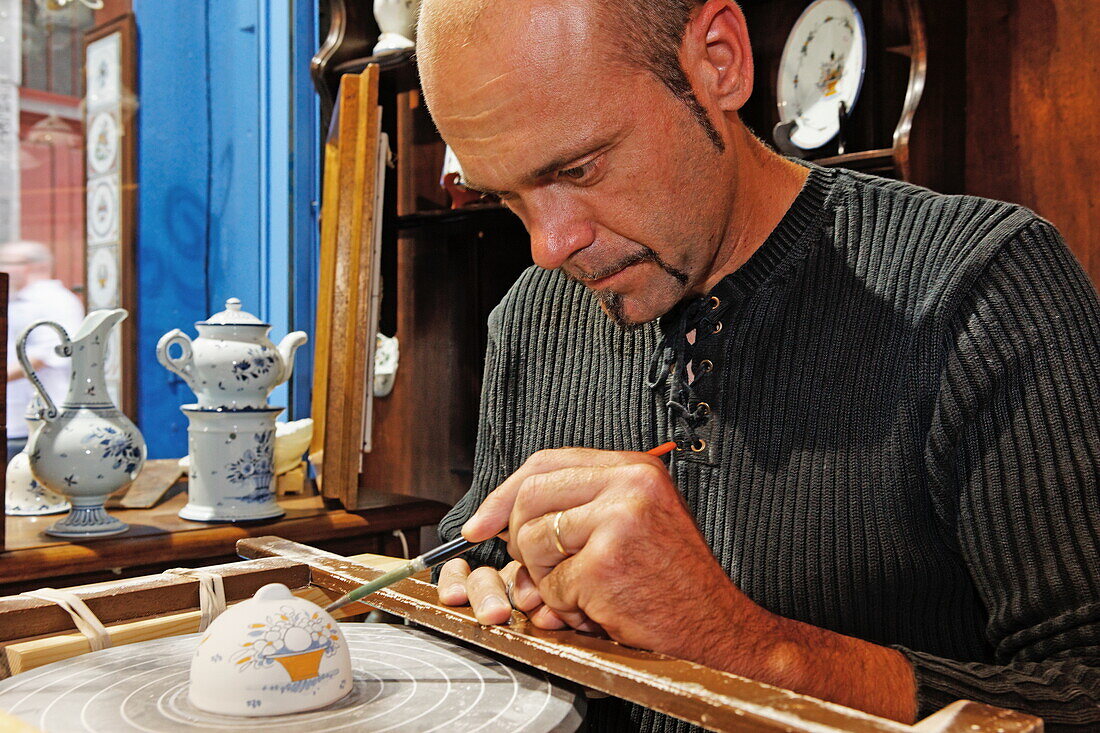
{"x":233,"y":304}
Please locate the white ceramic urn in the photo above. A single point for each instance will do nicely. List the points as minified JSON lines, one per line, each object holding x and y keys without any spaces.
{"x":273,"y":654}
{"x":232,"y":465}
{"x":232,"y":364}
{"x":397,"y":21}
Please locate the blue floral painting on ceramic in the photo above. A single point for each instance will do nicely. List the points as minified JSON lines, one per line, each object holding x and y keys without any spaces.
{"x":256,"y":365}
{"x":254,"y":468}
{"x":116,"y":444}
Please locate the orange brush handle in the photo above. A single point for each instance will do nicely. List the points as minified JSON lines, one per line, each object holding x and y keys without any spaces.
{"x":662,"y":449}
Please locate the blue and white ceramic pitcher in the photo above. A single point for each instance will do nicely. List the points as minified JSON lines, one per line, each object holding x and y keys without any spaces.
{"x":87,"y":449}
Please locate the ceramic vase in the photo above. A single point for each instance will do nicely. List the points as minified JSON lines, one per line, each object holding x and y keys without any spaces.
{"x":232,"y":364}
{"x":87,"y":449}
{"x":273,"y":654}
{"x":397,"y":21}
{"x":23,"y":495}
{"x":232,"y":465}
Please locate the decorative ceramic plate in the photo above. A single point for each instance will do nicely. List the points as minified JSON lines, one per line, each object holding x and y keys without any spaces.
{"x":103,"y":276}
{"x":102,"y":142}
{"x":822,"y":66}
{"x":102,"y":210}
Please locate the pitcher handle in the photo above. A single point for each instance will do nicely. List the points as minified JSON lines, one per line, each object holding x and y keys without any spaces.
{"x":182,"y":366}
{"x":65,"y":348}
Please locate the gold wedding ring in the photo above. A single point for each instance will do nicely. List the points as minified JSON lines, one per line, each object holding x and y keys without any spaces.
{"x":557,"y":534}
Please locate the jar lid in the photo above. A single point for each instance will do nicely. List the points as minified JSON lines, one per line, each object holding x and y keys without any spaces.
{"x":232,"y":316}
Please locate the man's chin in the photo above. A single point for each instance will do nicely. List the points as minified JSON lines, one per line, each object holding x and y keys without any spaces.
{"x":625,"y":312}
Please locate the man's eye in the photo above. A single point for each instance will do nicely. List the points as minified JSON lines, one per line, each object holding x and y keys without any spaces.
{"x":576,"y":173}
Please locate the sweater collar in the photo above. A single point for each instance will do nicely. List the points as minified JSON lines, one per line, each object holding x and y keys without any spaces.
{"x":777,"y":254}
{"x":785,"y":241}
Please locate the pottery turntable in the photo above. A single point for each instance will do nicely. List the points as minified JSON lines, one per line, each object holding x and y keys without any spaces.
{"x":446,"y":672}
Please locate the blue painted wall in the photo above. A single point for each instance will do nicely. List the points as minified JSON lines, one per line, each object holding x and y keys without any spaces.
{"x":227,"y":177}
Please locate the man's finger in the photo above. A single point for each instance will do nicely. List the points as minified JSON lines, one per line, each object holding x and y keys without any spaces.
{"x":575,"y":486}
{"x":491,"y":518}
{"x":452,"y":582}
{"x":488,"y":596}
{"x":523,"y":591}
{"x":544,"y":617}
{"x":538,"y":540}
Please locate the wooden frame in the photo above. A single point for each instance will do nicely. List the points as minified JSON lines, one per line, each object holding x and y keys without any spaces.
{"x":345,"y":333}
{"x":3,"y":404}
{"x":114,"y":247}
{"x":34,"y":632}
{"x":701,"y":695}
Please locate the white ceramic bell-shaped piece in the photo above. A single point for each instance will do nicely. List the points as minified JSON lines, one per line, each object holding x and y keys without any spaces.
{"x":397,"y":21}
{"x":23,"y":495}
{"x":273,"y":654}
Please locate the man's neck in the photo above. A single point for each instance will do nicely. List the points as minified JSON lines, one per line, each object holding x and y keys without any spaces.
{"x":766,"y":185}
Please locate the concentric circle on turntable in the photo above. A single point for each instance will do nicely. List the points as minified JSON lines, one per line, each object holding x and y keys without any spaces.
{"x":405,"y":680}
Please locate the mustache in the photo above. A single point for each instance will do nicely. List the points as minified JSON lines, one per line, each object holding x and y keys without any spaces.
{"x":644,"y":255}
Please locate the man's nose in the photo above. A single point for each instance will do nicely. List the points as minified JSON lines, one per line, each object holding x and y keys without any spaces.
{"x":558,"y":229}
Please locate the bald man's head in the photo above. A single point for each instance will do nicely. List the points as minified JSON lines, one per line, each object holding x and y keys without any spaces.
{"x":645,"y":34}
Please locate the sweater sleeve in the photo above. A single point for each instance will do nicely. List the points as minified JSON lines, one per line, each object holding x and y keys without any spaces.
{"x":1013,"y":458}
{"x":489,"y":466}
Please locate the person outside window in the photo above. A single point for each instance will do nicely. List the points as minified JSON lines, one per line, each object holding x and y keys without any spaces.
{"x":34,"y":295}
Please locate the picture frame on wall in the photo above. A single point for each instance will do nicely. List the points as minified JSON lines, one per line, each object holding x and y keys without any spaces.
{"x":110,"y":131}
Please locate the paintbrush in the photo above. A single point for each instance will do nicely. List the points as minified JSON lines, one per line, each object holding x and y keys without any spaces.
{"x":443,"y":553}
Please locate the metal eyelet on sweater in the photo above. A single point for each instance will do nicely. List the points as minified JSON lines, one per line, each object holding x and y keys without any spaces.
{"x":698,"y":446}
{"x":703,"y":408}
{"x":706,"y":365}
{"x":714,"y":302}
{"x":717,"y":327}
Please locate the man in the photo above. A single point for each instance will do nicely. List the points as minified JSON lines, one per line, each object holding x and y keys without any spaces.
{"x":33,"y":295}
{"x":887,"y":493}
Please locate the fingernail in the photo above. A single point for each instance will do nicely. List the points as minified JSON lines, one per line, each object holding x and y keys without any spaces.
{"x":456,"y":589}
{"x":496,"y":603}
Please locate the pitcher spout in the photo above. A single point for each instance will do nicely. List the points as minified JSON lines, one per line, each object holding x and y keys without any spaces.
{"x":287,"y":347}
{"x":99,"y":323}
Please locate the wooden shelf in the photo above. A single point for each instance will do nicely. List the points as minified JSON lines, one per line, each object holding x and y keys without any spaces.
{"x":158,"y":535}
{"x":447,"y":216}
{"x":881,"y":160}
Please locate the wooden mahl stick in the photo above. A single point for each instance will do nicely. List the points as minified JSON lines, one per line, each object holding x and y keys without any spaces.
{"x":701,"y":695}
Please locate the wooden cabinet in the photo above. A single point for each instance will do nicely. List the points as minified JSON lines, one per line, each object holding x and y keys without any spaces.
{"x":443,"y":271}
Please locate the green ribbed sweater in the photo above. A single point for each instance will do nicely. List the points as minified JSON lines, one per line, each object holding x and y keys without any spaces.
{"x":902,"y":443}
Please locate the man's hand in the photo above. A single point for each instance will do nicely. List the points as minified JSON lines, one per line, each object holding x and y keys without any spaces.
{"x":604,"y":538}
{"x":635,"y":563}
{"x":493,"y":594}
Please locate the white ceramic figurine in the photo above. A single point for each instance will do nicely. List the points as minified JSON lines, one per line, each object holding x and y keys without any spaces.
{"x":397,"y":21}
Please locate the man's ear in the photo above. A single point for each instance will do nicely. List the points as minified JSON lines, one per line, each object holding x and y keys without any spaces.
{"x":716,"y":54}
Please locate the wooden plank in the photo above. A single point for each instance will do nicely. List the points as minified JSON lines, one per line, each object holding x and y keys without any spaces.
{"x":701,"y":695}
{"x":152,"y":483}
{"x":27,"y":655}
{"x":346,"y":227}
{"x":322,"y":341}
{"x":344,"y":400}
{"x":125,"y":600}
